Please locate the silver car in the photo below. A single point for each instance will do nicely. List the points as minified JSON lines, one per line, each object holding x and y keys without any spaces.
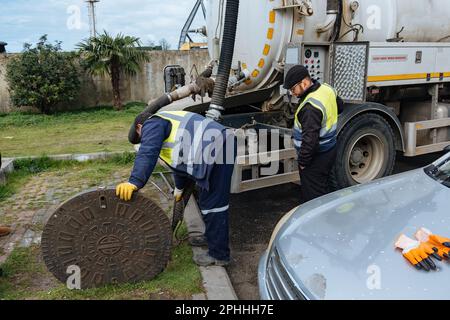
{"x":341,"y":246}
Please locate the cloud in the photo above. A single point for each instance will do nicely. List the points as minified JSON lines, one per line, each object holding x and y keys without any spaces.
{"x":151,"y":20}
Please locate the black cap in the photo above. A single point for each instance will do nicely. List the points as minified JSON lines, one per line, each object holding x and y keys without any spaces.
{"x":133,"y":137}
{"x":295,"y":75}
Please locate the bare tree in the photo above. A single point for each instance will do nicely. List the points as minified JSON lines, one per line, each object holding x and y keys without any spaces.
{"x":165,"y":45}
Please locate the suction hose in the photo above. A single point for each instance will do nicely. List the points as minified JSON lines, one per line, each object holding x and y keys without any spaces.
{"x":166,"y":99}
{"x":226,"y":57}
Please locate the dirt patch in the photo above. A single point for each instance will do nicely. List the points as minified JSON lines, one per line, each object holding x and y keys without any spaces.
{"x":253,"y":216}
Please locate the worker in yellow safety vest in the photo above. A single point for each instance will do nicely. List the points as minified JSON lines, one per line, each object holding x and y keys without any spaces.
{"x":198,"y":150}
{"x":315,"y":130}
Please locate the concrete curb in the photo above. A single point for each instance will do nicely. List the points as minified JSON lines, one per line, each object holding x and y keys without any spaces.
{"x":82,"y":157}
{"x":215,"y":279}
{"x":6,"y":166}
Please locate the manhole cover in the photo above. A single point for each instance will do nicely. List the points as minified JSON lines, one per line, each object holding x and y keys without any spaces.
{"x":109,"y":240}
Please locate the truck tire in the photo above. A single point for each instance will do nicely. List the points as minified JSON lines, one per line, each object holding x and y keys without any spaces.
{"x":366,"y":151}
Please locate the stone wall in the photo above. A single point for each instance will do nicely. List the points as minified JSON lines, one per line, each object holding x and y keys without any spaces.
{"x":5,"y":103}
{"x":146,"y":85}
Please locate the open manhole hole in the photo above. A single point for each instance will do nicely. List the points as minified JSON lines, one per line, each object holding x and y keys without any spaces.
{"x":108,"y":240}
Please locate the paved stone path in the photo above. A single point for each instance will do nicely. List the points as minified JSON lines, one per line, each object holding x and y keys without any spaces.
{"x":28,"y":211}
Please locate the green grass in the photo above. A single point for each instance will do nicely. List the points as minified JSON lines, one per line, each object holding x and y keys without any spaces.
{"x":92,"y":171}
{"x":85,"y":131}
{"x":19,"y":270}
{"x":24,"y":273}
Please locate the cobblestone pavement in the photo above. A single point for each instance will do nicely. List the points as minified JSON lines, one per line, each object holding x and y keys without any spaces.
{"x":28,"y":211}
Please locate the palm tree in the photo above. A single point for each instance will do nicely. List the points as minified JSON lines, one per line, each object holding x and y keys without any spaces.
{"x":105,"y":55}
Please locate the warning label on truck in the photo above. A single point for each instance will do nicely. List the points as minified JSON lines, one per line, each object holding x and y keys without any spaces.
{"x":390,"y":58}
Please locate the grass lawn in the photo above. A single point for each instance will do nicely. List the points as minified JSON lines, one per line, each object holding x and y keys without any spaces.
{"x":25,"y":277}
{"x":24,"y":273}
{"x":95,"y":130}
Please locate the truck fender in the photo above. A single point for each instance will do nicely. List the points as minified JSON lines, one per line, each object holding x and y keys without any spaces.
{"x":353,"y":110}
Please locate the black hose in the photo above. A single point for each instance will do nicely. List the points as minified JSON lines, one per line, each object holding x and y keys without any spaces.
{"x":159,"y":103}
{"x":153,"y":107}
{"x":226,"y":58}
{"x":338,"y":24}
{"x":179,"y":206}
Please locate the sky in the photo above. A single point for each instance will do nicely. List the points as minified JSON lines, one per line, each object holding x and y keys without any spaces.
{"x":25,"y":21}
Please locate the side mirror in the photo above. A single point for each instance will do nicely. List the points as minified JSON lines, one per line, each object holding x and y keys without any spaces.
{"x":447,"y":149}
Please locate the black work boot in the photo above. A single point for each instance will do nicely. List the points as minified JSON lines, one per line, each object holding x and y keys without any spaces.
{"x":198,"y":241}
{"x":205,"y":260}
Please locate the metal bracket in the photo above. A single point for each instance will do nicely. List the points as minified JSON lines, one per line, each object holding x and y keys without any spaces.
{"x":434,"y":91}
{"x":411,"y":129}
{"x":166,"y":181}
{"x":304,"y":7}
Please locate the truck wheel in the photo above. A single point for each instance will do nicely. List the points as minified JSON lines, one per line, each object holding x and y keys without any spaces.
{"x":366,"y":151}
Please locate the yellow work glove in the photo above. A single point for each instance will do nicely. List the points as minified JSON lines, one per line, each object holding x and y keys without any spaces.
{"x":440,"y":245}
{"x":125,"y":190}
{"x":178,"y":194}
{"x":417,"y":253}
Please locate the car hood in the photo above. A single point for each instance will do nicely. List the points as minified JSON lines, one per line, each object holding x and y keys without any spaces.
{"x":341,"y":246}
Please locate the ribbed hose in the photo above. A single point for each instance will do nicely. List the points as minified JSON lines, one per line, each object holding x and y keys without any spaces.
{"x":226,"y":58}
{"x":158,"y":104}
{"x":179,"y":206}
{"x":144,"y":115}
{"x":163,"y":101}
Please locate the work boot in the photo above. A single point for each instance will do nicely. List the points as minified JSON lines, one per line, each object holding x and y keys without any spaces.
{"x":205,"y":260}
{"x":199,"y":241}
{"x":4,"y":231}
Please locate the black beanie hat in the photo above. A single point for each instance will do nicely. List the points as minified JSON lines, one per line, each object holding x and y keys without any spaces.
{"x":133,"y":137}
{"x":295,"y":75}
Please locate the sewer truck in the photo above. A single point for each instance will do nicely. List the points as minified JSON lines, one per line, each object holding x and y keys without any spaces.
{"x":389,"y":60}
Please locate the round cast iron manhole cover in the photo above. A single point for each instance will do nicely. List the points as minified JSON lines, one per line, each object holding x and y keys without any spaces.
{"x":109,"y":240}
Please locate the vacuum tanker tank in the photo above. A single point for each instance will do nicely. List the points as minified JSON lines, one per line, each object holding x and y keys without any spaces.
{"x":389,"y":60}
{"x":266,"y":27}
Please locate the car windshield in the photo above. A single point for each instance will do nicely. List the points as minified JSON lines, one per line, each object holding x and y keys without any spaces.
{"x":440,"y":170}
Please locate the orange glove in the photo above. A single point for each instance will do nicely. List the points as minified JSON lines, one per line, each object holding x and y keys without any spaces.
{"x":417,"y":253}
{"x":439,"y":244}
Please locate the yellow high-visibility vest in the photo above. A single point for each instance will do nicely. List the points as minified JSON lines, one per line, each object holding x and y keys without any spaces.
{"x":323,"y":99}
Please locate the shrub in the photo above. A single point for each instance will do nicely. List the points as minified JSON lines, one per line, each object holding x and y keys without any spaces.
{"x":43,"y":76}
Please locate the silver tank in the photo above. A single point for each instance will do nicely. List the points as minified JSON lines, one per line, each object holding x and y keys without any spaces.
{"x":264,"y":27}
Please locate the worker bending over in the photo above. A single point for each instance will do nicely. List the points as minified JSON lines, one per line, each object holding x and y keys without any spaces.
{"x":195,"y":148}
